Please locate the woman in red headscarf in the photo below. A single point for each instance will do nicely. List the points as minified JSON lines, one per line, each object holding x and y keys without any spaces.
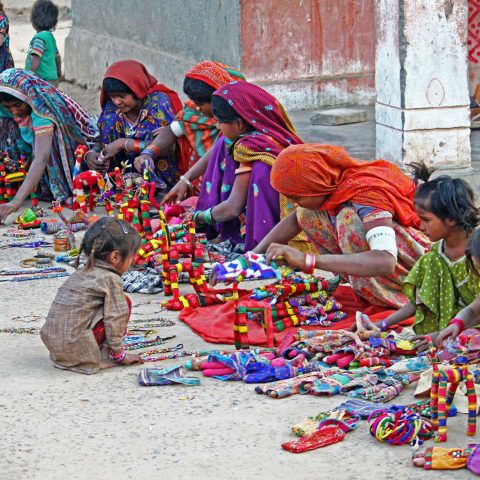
{"x":134,"y":105}
{"x":360,"y":216}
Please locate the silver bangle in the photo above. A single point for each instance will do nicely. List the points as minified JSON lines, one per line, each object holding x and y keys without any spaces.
{"x":127,"y":150}
{"x":186,"y":181}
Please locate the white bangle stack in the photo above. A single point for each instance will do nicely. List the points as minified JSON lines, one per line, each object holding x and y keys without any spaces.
{"x":185,"y":180}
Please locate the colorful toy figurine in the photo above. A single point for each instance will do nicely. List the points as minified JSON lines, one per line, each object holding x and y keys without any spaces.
{"x":445,"y":382}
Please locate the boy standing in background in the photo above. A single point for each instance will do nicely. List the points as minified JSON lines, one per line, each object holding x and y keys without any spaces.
{"x":43,"y":57}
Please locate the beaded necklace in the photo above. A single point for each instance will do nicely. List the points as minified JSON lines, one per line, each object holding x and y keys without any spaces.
{"x":34,"y":243}
{"x":31,"y":271}
{"x":167,"y":357}
{"x":11,"y":232}
{"x":28,"y":318}
{"x":148,"y":343}
{"x":38,"y":276}
{"x":175,"y":353}
{"x":28,"y":330}
{"x":154,"y":322}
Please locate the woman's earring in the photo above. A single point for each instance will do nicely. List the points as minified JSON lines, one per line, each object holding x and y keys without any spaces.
{"x":197,"y":109}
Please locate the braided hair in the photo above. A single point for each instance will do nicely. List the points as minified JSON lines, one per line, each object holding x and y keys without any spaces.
{"x":105,"y":236}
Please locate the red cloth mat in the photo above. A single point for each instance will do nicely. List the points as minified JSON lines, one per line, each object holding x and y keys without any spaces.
{"x":215,"y":323}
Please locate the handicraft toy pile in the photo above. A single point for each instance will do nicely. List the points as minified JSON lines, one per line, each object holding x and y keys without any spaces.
{"x":12,"y":174}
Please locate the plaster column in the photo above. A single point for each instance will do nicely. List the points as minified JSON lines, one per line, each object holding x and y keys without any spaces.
{"x":422,"y":106}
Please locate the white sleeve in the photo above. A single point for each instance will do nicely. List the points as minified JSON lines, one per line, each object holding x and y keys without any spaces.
{"x":176,"y":128}
{"x":383,"y":238}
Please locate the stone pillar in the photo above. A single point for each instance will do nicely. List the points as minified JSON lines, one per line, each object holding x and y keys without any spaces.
{"x":422,"y":107}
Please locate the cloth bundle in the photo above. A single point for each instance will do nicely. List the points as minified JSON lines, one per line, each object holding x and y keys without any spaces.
{"x":146,"y":280}
{"x":251,"y":266}
{"x":224,"y":251}
{"x":174,"y":375}
{"x":328,"y":432}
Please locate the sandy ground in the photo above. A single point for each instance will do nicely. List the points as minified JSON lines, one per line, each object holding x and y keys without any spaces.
{"x":57,"y":425}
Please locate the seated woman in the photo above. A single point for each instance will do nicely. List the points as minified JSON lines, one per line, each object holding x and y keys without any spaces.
{"x":194,"y":128}
{"x":45,"y":126}
{"x":134,"y":105}
{"x":259,"y":129}
{"x":360,"y":216}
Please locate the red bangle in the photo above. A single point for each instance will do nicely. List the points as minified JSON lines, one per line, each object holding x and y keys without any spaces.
{"x":459,"y":323}
{"x":136,"y":147}
{"x":118,"y":357}
{"x":310,"y":261}
{"x":153,"y":150}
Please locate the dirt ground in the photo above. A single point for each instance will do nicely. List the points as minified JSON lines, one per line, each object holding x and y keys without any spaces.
{"x":57,"y":425}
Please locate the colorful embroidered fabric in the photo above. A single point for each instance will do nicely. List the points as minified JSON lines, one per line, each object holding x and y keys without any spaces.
{"x":358,"y":407}
{"x":311,"y":424}
{"x":286,"y":388}
{"x":73,"y":126}
{"x":249,"y":266}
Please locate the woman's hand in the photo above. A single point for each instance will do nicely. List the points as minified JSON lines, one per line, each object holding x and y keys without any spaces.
{"x":451,"y":331}
{"x":283,"y":254}
{"x":143,"y":161}
{"x":95,"y":162}
{"x":113,"y":149}
{"x":131,"y":358}
{"x":7,"y":208}
{"x":421,"y":343}
{"x":176,"y":194}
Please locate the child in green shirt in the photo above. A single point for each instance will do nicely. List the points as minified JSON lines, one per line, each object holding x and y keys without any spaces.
{"x":43,"y":57}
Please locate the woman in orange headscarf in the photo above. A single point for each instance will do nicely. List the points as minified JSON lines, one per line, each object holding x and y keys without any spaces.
{"x":360,"y":216}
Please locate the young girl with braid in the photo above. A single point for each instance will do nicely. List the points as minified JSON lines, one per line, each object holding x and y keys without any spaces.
{"x":87,"y":321}
{"x":443,"y":281}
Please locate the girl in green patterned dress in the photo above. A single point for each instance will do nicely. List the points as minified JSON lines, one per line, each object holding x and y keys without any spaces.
{"x":469,"y":316}
{"x":442,"y":281}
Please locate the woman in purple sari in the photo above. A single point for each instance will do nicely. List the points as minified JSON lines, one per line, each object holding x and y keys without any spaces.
{"x":255,"y":129}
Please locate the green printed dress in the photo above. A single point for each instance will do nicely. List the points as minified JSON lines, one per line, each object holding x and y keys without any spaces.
{"x":439,"y":288}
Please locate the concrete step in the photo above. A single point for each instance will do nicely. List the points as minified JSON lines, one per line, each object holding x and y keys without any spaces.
{"x":338,"y":116}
